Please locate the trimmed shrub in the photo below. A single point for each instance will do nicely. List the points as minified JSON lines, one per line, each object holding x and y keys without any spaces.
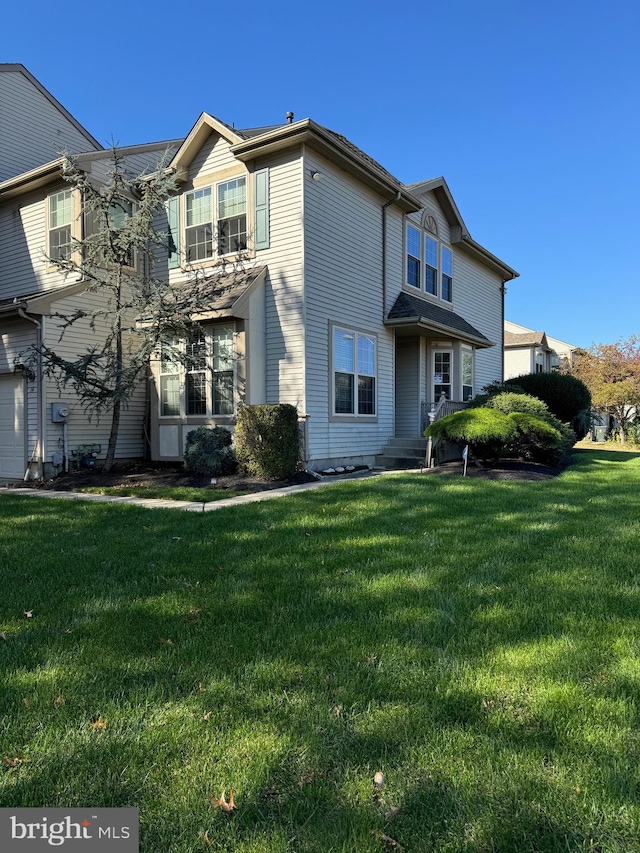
{"x":208,"y":452}
{"x":487,"y":431}
{"x":566,"y":396}
{"x":509,"y":402}
{"x":537,"y":440}
{"x":267,"y":440}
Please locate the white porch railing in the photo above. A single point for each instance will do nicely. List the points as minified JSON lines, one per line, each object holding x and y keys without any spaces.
{"x":438,"y":410}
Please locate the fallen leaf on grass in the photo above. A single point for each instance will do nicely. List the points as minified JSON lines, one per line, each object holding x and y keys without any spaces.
{"x":206,"y":838}
{"x":307,"y":779}
{"x":164,"y":642}
{"x":207,"y":716}
{"x":13,"y":762}
{"x":3,"y":636}
{"x":59,"y":700}
{"x":223,"y":804}
{"x":27,"y":703}
{"x":28,"y":614}
{"x":98,"y":724}
{"x":378,"y":779}
{"x":388,"y":841}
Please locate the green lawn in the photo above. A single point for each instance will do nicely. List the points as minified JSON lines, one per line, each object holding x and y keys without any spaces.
{"x":477,"y":642}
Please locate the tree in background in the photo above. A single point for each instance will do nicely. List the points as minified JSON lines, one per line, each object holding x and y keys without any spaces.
{"x":611,"y":372}
{"x":567,"y":397}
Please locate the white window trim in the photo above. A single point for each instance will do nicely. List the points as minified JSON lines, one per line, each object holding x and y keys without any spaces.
{"x":213,"y":185}
{"x":435,"y":351}
{"x":351,"y":417}
{"x":75,"y":227}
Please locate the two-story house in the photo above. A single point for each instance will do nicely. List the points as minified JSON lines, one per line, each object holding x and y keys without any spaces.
{"x":359,"y":300}
{"x":364,"y":300}
{"x":529,"y":351}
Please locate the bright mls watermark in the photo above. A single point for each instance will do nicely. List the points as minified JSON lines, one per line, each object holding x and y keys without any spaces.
{"x":80,"y":830}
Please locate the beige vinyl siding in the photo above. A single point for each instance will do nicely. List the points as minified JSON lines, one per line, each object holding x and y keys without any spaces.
{"x":214,"y":156}
{"x":517,"y":362}
{"x":142,"y":163}
{"x":33,"y":131}
{"x":284,"y":301}
{"x":432,"y":207}
{"x":76,"y":340}
{"x":24,"y":268}
{"x":343,"y":285}
{"x":477,"y":296}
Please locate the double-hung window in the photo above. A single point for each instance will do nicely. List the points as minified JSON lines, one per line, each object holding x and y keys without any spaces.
{"x":169,"y":380}
{"x":414,"y":277}
{"x":196,"y":368}
{"x":354,"y":373}
{"x":199,"y":225}
{"x":222,"y":367}
{"x":467,"y":375}
{"x":60,"y":220}
{"x":216,"y":220}
{"x":429,"y":264}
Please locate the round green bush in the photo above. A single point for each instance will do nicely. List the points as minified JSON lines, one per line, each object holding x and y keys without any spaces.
{"x":208,"y":452}
{"x":566,"y":396}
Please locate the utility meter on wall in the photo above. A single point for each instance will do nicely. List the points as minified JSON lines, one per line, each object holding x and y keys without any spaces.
{"x":59,"y":412}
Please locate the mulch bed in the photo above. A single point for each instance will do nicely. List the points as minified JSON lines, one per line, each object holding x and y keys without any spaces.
{"x":175,"y":475}
{"x":163,"y":475}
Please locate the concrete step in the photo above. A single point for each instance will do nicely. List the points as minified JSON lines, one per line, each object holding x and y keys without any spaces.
{"x":390,"y":460}
{"x":407,"y":442}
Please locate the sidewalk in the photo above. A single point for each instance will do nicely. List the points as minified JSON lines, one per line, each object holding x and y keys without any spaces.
{"x":194,"y":506}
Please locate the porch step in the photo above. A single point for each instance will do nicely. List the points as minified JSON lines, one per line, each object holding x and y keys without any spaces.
{"x":403,"y":453}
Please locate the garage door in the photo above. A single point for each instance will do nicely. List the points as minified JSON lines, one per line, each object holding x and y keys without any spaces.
{"x":11,"y":427}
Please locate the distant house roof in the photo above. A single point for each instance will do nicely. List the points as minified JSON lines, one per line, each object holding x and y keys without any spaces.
{"x":526,"y":339}
{"x":411,"y":310}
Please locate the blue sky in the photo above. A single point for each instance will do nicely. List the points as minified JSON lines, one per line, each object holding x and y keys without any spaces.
{"x":529,"y":110}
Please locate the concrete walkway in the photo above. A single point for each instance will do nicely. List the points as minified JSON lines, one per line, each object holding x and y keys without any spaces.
{"x":193,"y":506}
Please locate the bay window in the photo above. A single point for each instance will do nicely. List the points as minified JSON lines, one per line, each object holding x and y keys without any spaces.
{"x":197,"y":376}
{"x":354,"y":373}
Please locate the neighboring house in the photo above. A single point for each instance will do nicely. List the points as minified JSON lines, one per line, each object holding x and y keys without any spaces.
{"x":39,"y":216}
{"x":34,"y":127}
{"x":359,"y":300}
{"x":528,"y":351}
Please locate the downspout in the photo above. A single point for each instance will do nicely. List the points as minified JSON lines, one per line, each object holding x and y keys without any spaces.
{"x":387,"y":204}
{"x":503,"y":291}
{"x":40,"y":388}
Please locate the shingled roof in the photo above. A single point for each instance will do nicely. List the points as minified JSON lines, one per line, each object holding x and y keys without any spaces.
{"x":408,"y":310}
{"x":526,"y":339}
